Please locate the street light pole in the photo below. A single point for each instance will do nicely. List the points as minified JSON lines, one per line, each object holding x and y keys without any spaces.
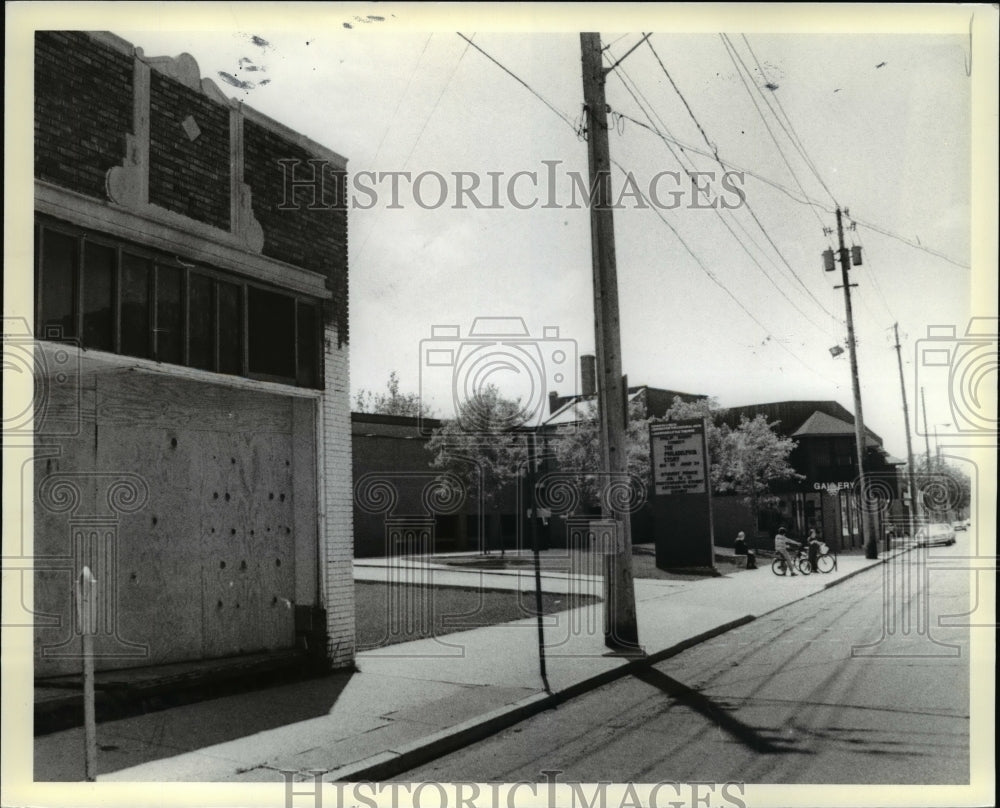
{"x":620,"y":625}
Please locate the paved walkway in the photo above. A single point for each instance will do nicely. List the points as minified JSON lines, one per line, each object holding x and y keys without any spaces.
{"x":411,"y":702}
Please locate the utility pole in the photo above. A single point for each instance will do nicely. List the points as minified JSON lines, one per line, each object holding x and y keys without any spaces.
{"x":867,"y":534}
{"x":927,"y":435}
{"x":620,"y":627}
{"x":910,"y":472}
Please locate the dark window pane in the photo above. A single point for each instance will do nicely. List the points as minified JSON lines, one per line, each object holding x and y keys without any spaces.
{"x":202,"y":331}
{"x":230,"y":328}
{"x":98,"y":274}
{"x":308,"y":346}
{"x":271,"y":333}
{"x":136,"y":273}
{"x":169,"y":315}
{"x":58,"y":286}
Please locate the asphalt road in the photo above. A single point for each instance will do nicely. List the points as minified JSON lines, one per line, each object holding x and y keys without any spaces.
{"x":783,"y":699}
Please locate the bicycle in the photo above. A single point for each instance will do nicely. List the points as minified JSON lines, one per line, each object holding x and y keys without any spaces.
{"x":827,"y":560}
{"x":801,"y":561}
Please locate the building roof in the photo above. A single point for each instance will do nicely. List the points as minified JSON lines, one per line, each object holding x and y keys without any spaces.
{"x":575,"y":409}
{"x":793,"y":415}
{"x":820,"y":424}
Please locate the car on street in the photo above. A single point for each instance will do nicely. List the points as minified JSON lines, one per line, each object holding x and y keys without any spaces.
{"x":935,"y":534}
{"x":960,"y":525}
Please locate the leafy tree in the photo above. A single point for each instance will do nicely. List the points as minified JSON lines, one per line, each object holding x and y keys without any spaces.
{"x":391,"y":402}
{"x":752,"y":457}
{"x":945,"y":489}
{"x":715,"y":435}
{"x":578,"y":448}
{"x":484,"y":446}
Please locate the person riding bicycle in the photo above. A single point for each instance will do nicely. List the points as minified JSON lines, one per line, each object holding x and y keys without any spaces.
{"x":784,"y":546}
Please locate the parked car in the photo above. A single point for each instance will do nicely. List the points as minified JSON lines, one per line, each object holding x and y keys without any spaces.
{"x":960,"y":525}
{"x":935,"y":534}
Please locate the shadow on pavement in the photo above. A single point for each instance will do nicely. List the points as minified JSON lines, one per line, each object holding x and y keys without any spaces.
{"x":700,"y":703}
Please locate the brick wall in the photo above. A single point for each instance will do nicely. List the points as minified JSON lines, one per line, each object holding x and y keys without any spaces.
{"x":338,"y":571}
{"x":312,"y":238}
{"x":190,"y":177}
{"x":83,"y":108}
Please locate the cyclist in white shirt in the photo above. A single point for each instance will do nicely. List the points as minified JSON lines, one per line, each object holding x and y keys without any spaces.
{"x":783,"y":546}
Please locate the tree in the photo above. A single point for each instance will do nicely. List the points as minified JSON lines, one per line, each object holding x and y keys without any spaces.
{"x":944,"y":489}
{"x":578,"y":448}
{"x":486,"y":447}
{"x":715,"y":435}
{"x":391,"y":402}
{"x":752,"y":457}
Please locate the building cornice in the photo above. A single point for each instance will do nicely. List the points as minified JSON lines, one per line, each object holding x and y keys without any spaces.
{"x":161,"y":229}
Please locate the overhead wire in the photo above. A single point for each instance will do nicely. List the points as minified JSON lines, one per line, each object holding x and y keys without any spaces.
{"x":645,"y":106}
{"x":747,"y":204}
{"x":793,"y":135}
{"x":566,"y":119}
{"x":737,"y":62}
{"x":626,"y":82}
{"x":519,"y":80}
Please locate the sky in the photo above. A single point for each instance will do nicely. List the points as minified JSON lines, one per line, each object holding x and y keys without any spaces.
{"x":732,"y":303}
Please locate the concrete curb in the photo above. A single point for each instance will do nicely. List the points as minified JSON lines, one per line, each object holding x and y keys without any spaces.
{"x":832,"y":583}
{"x":391,"y":763}
{"x":407,"y":756}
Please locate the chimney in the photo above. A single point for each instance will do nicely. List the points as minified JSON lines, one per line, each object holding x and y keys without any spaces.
{"x":553,"y":402}
{"x":588,"y":374}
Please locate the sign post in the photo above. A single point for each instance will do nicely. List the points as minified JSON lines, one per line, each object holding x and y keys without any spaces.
{"x":86,"y":599}
{"x":682,"y":495}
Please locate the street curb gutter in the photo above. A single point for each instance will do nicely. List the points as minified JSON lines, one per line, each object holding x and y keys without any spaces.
{"x":408,"y":756}
{"x":832,"y":583}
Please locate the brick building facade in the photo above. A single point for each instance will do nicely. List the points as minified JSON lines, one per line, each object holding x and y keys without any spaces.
{"x":193,"y":442}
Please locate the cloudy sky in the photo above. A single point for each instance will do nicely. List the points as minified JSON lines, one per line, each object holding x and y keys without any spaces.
{"x":732,"y":303}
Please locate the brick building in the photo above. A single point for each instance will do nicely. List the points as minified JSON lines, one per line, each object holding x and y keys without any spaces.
{"x":193,"y":443}
{"x":825,"y":499}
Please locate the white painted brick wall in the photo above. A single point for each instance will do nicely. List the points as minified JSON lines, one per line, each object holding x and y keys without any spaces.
{"x":338,"y":518}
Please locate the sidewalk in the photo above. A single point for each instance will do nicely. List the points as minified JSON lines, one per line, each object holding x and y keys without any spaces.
{"x":414,"y":701}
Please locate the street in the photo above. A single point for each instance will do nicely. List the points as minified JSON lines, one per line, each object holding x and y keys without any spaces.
{"x":780,"y":700}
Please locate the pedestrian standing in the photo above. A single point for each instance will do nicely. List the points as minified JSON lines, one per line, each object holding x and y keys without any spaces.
{"x":814,"y":544}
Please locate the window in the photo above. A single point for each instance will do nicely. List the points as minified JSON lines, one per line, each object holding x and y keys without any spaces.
{"x":272,"y":333}
{"x":135,"y":306}
{"x":121,"y":298}
{"x":58,"y":292}
{"x":99,"y":263}
{"x":201,"y":310}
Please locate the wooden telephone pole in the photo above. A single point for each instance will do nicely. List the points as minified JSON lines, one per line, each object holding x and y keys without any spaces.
{"x":867,"y":534}
{"x":910,"y":471}
{"x":620,"y":629}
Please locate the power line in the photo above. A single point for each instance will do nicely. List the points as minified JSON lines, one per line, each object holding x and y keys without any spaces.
{"x":433,"y":109}
{"x":790,"y":131}
{"x":747,"y":204}
{"x":643,"y":106}
{"x":733,"y":57}
{"x":519,"y":80}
